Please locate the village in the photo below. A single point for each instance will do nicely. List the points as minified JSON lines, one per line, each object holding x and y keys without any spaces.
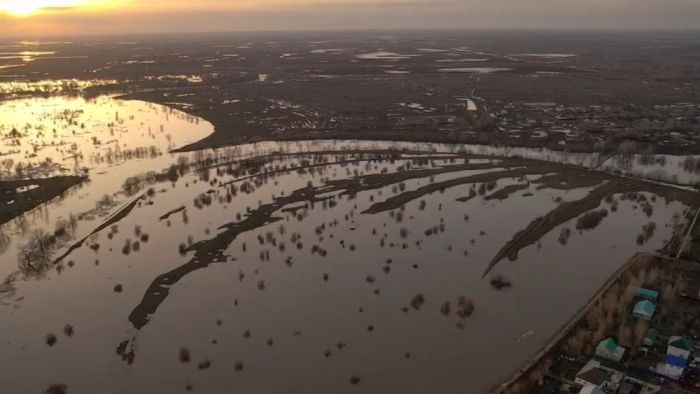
{"x":669,"y":129}
{"x":655,"y":347}
{"x":458,"y":117}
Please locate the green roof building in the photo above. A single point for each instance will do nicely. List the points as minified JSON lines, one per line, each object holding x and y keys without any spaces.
{"x":649,"y":294}
{"x":651,"y":336}
{"x":644,"y":309}
{"x":609,"y":350}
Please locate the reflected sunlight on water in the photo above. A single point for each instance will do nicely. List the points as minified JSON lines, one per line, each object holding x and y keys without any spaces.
{"x":51,"y":85}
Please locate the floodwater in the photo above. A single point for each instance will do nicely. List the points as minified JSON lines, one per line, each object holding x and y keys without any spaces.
{"x":20,"y":58}
{"x":297,"y":273}
{"x":110,"y":140}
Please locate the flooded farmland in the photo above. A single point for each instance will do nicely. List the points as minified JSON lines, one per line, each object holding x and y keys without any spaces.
{"x":315,"y":267}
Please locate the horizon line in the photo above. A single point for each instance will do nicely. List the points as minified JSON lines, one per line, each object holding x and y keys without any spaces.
{"x":359,"y":30}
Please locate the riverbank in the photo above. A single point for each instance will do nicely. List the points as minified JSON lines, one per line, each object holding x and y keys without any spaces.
{"x":605,"y":315}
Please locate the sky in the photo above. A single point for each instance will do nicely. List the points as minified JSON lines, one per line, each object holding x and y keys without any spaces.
{"x":29,"y":18}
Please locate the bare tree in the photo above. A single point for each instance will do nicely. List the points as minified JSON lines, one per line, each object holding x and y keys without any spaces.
{"x":640,"y":330}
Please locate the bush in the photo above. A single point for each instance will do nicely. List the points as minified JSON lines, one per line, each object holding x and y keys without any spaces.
{"x":591,"y":220}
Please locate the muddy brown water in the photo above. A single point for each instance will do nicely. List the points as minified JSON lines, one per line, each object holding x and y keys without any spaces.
{"x":323,"y":308}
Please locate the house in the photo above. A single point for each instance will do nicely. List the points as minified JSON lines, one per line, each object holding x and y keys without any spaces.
{"x":673,"y":367}
{"x":651,"y":295}
{"x":644,"y":309}
{"x":595,"y":376}
{"x":609,"y":350}
{"x":650,"y":337}
{"x":591,"y":389}
{"x":678,"y":347}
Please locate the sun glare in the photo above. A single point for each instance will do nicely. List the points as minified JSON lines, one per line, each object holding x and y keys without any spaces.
{"x":19,"y":7}
{"x":25,"y":8}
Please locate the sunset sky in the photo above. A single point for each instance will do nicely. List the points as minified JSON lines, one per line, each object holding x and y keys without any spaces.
{"x":22,"y":18}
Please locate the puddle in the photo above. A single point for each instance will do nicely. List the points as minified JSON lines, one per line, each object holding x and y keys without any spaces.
{"x":474,"y":70}
{"x":384,"y":55}
{"x":546,"y":55}
{"x":464,"y":60}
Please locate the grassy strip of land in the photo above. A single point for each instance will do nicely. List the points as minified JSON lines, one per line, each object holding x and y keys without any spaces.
{"x":566,"y":211}
{"x":211,"y":251}
{"x":116,"y":217}
{"x":505,"y":192}
{"x":403,"y":198}
{"x":542,"y":225}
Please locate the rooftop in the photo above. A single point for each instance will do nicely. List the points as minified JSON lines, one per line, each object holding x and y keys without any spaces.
{"x":597,"y":376}
{"x":645,"y":308}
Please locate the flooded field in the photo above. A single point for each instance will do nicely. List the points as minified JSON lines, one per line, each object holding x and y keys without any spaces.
{"x":315,"y":267}
{"x":104,"y":139}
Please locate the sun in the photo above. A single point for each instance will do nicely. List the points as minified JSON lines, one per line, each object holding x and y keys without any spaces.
{"x":20,"y":7}
{"x":25,"y":8}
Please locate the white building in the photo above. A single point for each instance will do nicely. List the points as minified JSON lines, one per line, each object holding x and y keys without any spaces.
{"x":678,"y":347}
{"x":590,"y":389}
{"x":671,"y":369}
{"x":677,"y":355}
